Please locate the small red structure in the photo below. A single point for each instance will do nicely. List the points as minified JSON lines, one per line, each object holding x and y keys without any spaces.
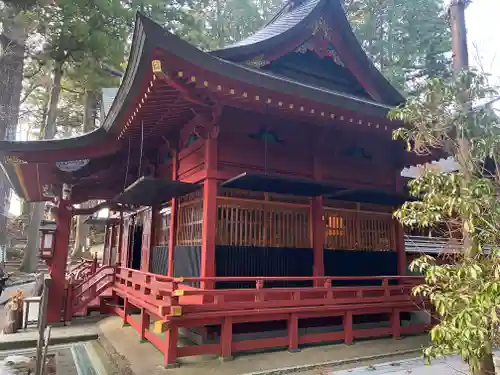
{"x":251,"y":190}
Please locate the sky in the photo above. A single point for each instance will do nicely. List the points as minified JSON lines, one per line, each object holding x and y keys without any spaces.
{"x":483,"y":32}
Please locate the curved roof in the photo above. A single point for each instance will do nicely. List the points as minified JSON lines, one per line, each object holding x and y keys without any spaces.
{"x":152,"y":42}
{"x":282,"y":23}
{"x":292,"y":28}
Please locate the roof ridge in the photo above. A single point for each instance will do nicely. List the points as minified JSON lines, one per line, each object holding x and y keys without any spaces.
{"x":283,"y":10}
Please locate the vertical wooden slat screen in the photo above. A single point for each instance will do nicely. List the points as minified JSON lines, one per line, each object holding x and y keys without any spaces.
{"x":163,"y":228}
{"x":359,"y":230}
{"x":125,"y":240}
{"x":146,"y":239}
{"x":248,"y":222}
{"x":190,"y":217}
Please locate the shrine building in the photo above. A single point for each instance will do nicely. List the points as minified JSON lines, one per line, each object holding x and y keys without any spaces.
{"x":251,"y":192}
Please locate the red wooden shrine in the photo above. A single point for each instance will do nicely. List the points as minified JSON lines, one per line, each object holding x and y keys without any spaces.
{"x":251,"y":190}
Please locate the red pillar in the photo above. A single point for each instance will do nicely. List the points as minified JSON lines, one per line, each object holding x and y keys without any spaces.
{"x":400,"y":235}
{"x":57,"y":265}
{"x":118,"y":258}
{"x":317,"y":214}
{"x":146,"y":239}
{"x":209,"y":225}
{"x":172,"y":240}
{"x":106,"y":257}
{"x":400,"y":249}
{"x":318,"y":236}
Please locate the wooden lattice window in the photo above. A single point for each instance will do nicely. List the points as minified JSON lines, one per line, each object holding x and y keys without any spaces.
{"x":162,"y":227}
{"x":189,"y":224}
{"x":247,"y":222}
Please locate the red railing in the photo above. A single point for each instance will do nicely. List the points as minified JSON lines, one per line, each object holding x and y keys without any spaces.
{"x":177,"y":305}
{"x":83,"y":269}
{"x":81,"y":293}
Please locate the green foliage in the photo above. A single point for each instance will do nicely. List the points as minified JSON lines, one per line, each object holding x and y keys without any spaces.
{"x":407,"y":40}
{"x":466,"y":294}
{"x":466,"y":297}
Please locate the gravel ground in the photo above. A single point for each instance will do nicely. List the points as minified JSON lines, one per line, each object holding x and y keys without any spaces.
{"x":114,"y":362}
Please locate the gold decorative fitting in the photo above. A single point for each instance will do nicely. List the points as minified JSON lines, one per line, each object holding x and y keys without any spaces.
{"x":257,"y":97}
{"x":180,"y":74}
{"x":193,"y":79}
{"x":219,"y":87}
{"x":156,"y":64}
{"x":205,"y":83}
{"x":231,"y":91}
{"x":280,"y":104}
{"x":245,"y":94}
{"x":176,"y":310}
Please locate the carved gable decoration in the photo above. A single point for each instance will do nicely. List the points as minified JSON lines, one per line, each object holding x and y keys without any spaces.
{"x":322,"y":48}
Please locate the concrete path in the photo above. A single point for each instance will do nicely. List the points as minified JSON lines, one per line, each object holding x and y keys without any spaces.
{"x":448,"y":366}
{"x":144,"y":359}
{"x":83,"y":330}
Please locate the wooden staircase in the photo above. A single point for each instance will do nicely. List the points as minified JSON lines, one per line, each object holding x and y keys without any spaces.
{"x":88,"y":292}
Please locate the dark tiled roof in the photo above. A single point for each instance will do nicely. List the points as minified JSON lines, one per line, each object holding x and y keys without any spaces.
{"x":282,"y":23}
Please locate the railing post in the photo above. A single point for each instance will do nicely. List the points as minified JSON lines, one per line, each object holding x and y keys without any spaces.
{"x":42,"y":324}
{"x":125,"y":311}
{"x":170,"y":349}
{"x":226,"y":338}
{"x":69,"y":301}
{"x":328,"y":284}
{"x":348,"y":329}
{"x":93,"y":268}
{"x":259,"y":285}
{"x":145,"y":321}
{"x":293,"y":333}
{"x":395,"y":323}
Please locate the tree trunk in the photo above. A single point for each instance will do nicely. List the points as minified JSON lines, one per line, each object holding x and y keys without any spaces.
{"x":50,"y":127}
{"x":487,"y":366}
{"x":220,"y":26}
{"x":82,"y":230}
{"x":11,"y":317}
{"x":30,"y":257}
{"x":12,"y":44}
